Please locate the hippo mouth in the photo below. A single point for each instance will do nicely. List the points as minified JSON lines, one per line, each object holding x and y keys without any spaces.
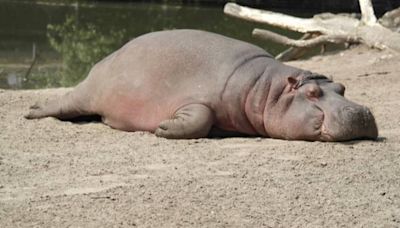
{"x":324,"y":134}
{"x":321,"y":127}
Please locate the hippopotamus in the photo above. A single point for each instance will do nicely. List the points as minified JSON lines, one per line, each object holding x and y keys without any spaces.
{"x":185,"y":84}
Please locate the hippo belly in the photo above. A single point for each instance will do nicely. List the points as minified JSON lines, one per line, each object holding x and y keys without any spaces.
{"x":145,"y":85}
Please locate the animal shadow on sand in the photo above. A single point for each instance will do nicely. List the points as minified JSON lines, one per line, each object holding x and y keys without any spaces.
{"x":215,"y":133}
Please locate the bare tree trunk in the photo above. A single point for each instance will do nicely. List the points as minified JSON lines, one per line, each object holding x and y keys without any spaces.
{"x":367,"y":12}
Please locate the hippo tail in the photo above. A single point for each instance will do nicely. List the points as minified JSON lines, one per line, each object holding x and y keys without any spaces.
{"x":73,"y":104}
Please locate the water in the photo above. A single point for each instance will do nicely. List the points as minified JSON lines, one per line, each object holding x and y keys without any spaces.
{"x":46,"y":45}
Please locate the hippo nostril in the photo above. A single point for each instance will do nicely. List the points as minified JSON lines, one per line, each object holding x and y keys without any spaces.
{"x":349,"y":110}
{"x":350,"y":116}
{"x":358,"y":122}
{"x":359,"y":115}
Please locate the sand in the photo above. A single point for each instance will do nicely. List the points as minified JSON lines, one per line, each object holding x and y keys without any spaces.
{"x":63,"y":174}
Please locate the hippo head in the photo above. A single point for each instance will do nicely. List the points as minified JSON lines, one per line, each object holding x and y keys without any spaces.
{"x":314,"y":108}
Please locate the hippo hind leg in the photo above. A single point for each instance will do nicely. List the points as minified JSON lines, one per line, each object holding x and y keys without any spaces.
{"x":189,"y":122}
{"x":66,"y":107}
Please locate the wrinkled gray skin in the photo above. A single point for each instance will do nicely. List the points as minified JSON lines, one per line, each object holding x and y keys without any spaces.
{"x":188,"y":84}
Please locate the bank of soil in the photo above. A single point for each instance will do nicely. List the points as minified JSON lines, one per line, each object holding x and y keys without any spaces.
{"x":60,"y":174}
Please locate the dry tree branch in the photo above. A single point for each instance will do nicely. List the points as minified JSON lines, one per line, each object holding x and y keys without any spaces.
{"x":323,"y":39}
{"x":294,"y":52}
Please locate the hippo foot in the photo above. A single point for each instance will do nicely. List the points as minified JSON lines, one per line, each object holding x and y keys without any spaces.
{"x":189,"y":122}
{"x":36,"y":111}
{"x":63,"y":108}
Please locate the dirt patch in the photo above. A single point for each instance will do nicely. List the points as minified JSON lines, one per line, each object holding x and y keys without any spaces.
{"x":59,"y":174}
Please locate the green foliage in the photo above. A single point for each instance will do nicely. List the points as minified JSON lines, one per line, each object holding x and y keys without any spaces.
{"x":46,"y":76}
{"x":81,"y":45}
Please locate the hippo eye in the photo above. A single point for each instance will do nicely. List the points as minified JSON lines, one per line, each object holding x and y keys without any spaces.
{"x":339,"y":88}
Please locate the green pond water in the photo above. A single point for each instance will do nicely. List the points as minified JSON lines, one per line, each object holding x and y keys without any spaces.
{"x":52,"y":44}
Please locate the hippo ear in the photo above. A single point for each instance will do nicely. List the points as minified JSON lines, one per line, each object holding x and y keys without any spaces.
{"x":293,"y":82}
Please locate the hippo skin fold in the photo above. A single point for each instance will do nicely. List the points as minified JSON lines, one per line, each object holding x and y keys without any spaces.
{"x":185,"y":84}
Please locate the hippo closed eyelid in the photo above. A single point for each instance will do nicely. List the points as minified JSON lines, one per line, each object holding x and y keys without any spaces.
{"x":336,"y":87}
{"x":339,"y":88}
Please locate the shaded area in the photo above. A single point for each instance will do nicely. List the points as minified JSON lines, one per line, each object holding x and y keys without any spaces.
{"x":51,"y":43}
{"x":85,"y":119}
{"x":61,"y":42}
{"x":309,"y":6}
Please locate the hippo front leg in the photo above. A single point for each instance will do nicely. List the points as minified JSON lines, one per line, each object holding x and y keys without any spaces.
{"x":189,"y":122}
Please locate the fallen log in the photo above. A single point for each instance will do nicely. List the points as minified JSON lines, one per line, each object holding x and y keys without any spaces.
{"x":332,"y":28}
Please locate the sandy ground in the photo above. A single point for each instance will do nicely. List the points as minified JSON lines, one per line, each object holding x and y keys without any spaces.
{"x":63,"y":174}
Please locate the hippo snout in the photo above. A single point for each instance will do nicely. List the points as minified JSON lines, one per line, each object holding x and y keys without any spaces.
{"x":351,"y":122}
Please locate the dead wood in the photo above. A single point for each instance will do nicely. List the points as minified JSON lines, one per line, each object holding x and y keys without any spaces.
{"x":309,"y":43}
{"x":391,"y":20}
{"x":294,"y":52}
{"x":333,"y":28}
